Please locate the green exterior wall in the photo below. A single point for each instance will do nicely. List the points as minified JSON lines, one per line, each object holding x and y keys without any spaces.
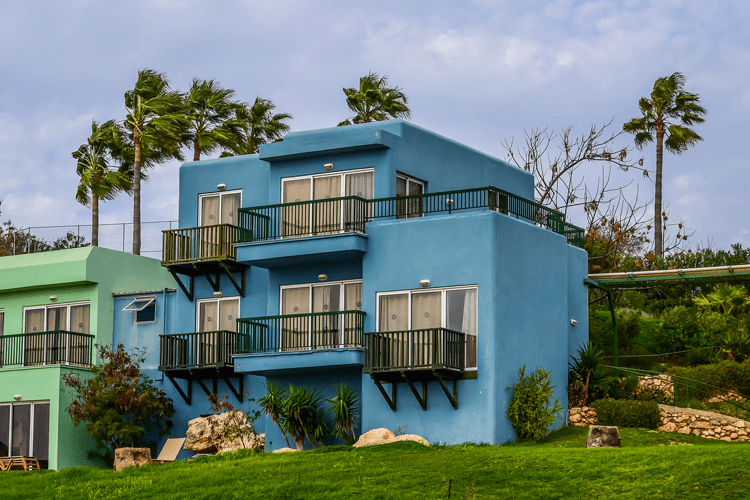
{"x":83,"y":274}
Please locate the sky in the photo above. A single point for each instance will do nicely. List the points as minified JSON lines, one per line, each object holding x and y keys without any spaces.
{"x":480,"y":72}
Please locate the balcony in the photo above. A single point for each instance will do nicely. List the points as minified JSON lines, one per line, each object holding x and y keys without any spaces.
{"x":411,"y":356}
{"x":346,"y":218}
{"x":203,"y":251}
{"x":197,"y":357}
{"x":46,"y":348}
{"x":277,"y":344}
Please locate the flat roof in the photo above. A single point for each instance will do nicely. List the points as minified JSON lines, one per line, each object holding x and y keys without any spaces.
{"x":648,"y":279}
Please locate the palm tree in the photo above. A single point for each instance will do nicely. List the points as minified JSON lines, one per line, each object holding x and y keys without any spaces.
{"x":157,"y":123}
{"x":375,"y":101}
{"x":260,"y":125}
{"x":211,"y":115}
{"x":670,"y":111}
{"x":99,"y":180}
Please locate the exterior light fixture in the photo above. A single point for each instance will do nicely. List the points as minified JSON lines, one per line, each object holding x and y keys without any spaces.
{"x":53,"y":298}
{"x":573,"y":322}
{"x":322,"y":277}
{"x":328,"y":166}
{"x":17,"y":397}
{"x":424,"y":282}
{"x":218,"y":295}
{"x":221,"y":187}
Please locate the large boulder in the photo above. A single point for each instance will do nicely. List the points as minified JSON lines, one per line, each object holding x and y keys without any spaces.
{"x":207,"y":435}
{"x":603,"y":436}
{"x":131,"y":457}
{"x":384,"y":436}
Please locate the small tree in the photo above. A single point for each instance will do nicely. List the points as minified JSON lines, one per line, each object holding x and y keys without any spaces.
{"x":531,"y":410}
{"x":118,"y":402}
{"x":240,"y":425}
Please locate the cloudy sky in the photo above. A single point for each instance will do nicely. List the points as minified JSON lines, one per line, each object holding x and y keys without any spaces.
{"x":479,"y":72}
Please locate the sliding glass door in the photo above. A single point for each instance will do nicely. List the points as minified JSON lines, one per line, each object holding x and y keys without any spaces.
{"x":24,"y":430}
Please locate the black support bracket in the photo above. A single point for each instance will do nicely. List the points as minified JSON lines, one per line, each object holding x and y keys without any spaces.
{"x":188,"y":293}
{"x":239,"y":287}
{"x":422,"y":400}
{"x":214,"y":284}
{"x":187,"y":397}
{"x":237,"y":393}
{"x":452,"y":398}
{"x":391,"y":400}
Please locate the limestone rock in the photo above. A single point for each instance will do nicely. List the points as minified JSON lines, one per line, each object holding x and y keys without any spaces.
{"x":409,"y":437}
{"x":206,"y":434}
{"x":131,"y":457}
{"x":375,"y":436}
{"x":283,"y":450}
{"x":603,"y":436}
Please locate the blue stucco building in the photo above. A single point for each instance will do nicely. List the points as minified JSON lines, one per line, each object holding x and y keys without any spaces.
{"x":415,"y":269}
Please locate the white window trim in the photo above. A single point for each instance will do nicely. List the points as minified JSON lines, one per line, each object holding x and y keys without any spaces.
{"x":221,"y":202}
{"x":218,"y":310}
{"x":443,"y":306}
{"x":151,"y":301}
{"x":10,"y":406}
{"x":52,"y":306}
{"x":342,"y":295}
{"x":342,"y":174}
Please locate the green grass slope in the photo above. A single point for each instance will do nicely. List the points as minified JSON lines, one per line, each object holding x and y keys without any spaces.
{"x":650,"y":465}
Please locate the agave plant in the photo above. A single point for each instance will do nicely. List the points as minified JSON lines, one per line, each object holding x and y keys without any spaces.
{"x":587,"y":365}
{"x":736,"y":345}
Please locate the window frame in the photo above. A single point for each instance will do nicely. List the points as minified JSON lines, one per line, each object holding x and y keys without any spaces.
{"x":151,"y":303}
{"x":2,"y":322}
{"x":413,"y":180}
{"x":52,"y":306}
{"x":342,"y":292}
{"x":218,"y":300}
{"x":341,"y":173}
{"x":221,"y":195}
{"x":32,"y":416}
{"x":443,"y":307}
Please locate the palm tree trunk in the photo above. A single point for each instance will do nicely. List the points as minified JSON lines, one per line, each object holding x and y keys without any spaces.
{"x":197,"y":150}
{"x":658,"y":235}
{"x":94,"y":220}
{"x":137,"y":193}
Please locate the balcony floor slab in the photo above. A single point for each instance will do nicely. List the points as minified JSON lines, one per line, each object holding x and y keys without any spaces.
{"x":295,"y":252}
{"x":294,"y":362}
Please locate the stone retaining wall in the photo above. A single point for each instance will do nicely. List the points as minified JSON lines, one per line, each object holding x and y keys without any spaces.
{"x":661,"y":382}
{"x":683,"y":420}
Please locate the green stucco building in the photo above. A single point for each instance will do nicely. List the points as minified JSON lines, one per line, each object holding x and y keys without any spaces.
{"x":54,"y":307}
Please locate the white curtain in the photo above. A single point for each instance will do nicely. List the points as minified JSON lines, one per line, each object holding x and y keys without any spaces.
{"x":230,"y":203}
{"x":57,"y":318}
{"x":462,"y":317}
{"x":327,"y":218}
{"x":34,"y":321}
{"x":394,"y":312}
{"x":295,"y":332}
{"x":296,"y":218}
{"x":326,"y":329}
{"x":360,"y":184}
{"x":353,"y":297}
{"x":80,"y":321}
{"x":228,"y":312}
{"x":207,"y":316}
{"x":209,"y":210}
{"x":2,"y":322}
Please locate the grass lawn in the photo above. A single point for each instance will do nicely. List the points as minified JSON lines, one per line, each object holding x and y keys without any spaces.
{"x":649,"y":465}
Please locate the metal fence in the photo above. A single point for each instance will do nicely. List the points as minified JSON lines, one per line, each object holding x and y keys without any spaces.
{"x":115,"y":236}
{"x":46,"y":348}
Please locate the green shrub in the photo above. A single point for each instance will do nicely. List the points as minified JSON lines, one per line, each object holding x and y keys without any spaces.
{"x":531,"y":410}
{"x":725,"y":375}
{"x":653,"y":394}
{"x":627,"y":413}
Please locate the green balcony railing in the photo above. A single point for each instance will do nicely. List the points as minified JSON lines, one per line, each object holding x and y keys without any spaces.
{"x":429,"y":349}
{"x":350,"y":214}
{"x":179,"y":351}
{"x":46,"y":348}
{"x":300,"y":332}
{"x":198,"y":244}
{"x":304,"y":218}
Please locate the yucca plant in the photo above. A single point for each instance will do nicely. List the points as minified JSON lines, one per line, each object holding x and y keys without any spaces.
{"x":587,"y":365}
{"x":303,"y":417}
{"x":344,"y":409}
{"x":273,"y":405}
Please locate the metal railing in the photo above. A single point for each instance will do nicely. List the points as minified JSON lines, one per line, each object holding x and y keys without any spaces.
{"x":203,"y":243}
{"x":46,"y":348}
{"x":429,"y":349}
{"x":304,"y":218}
{"x":351,"y":213}
{"x":115,"y":236}
{"x":300,"y":332}
{"x":196,"y":350}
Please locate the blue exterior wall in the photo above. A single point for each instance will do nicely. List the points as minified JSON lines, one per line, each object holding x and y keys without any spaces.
{"x":529,"y":280}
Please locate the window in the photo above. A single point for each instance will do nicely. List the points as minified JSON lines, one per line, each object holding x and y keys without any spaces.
{"x":328,"y":326}
{"x":2,"y":322}
{"x":144,"y":308}
{"x":24,"y":430}
{"x":451,"y":308}
{"x":408,"y":186}
{"x":219,"y":208}
{"x":218,"y":314}
{"x":306,"y":219}
{"x":53,"y":334}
